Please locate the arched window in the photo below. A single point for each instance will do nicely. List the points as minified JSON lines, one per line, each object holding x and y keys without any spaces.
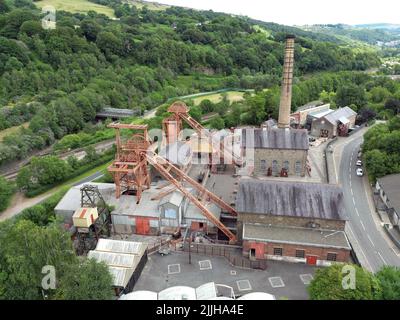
{"x":274,"y":167}
{"x":263,"y":165}
{"x":286,"y":165}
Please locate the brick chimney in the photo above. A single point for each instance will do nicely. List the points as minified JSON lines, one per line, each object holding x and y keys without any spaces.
{"x":286,"y":91}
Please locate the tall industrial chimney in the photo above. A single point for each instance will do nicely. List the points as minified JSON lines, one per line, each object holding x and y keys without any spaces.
{"x":286,"y":92}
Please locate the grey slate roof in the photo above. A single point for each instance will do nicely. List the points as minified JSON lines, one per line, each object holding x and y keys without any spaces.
{"x":310,"y":200}
{"x":292,"y":139}
{"x":335,"y":116}
{"x":295,"y":235}
{"x":391,"y":185}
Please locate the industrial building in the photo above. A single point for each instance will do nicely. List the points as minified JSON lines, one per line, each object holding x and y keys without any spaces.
{"x":389,"y":191}
{"x":299,"y":119}
{"x":150,"y":216}
{"x":332,"y":124}
{"x":124,"y":259}
{"x":280,"y":151}
{"x":231,"y":201}
{"x":299,"y":222}
{"x":276,"y":152}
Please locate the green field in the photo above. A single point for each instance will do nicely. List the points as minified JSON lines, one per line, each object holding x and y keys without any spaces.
{"x":11,"y":130}
{"x":149,"y":5}
{"x":232,"y":96}
{"x":76,"y":6}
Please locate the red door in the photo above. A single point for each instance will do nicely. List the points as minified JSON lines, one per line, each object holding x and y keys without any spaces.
{"x":312,"y":260}
{"x":142,"y":225}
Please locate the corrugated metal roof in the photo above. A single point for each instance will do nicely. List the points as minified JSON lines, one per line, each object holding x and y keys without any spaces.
{"x":292,"y":139}
{"x":129,"y":247}
{"x":335,"y":116}
{"x":294,"y":235}
{"x":121,"y":257}
{"x":391,"y":185}
{"x":320,"y":114}
{"x":193,"y":212}
{"x":175,"y":198}
{"x":313,"y":200}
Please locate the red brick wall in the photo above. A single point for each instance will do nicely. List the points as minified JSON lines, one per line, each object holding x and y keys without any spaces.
{"x":289,"y":250}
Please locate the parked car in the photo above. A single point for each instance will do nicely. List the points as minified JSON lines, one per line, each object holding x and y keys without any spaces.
{"x":359,"y":172}
{"x":359,"y":163}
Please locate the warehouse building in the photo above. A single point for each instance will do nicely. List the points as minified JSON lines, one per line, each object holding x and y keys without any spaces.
{"x":152,"y":215}
{"x":298,"y":222}
{"x":125,"y":260}
{"x":389,"y":192}
{"x":276,"y":152}
{"x":299,"y":118}
{"x":336,"y":123}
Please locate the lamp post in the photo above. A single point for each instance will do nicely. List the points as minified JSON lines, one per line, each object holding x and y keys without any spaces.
{"x":190,"y":245}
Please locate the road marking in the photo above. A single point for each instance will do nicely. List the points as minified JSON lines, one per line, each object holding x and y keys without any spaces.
{"x":354,"y":201}
{"x":352,"y":193}
{"x":382,"y":258}
{"x":362,"y":224}
{"x":357,"y":212}
{"x":370,"y":240}
{"x":359,"y":247}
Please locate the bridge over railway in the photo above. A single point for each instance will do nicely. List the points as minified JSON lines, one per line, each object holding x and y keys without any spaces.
{"x":114,"y":113}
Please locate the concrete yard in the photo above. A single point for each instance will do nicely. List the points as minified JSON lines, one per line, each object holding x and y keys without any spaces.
{"x":284,"y":280}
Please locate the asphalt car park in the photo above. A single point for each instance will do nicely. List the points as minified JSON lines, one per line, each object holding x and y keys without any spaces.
{"x":282,"y":279}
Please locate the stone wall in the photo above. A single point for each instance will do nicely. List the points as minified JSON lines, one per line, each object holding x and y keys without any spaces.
{"x":280,"y":155}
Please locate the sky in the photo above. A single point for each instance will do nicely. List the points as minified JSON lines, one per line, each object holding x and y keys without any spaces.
{"x":301,"y":12}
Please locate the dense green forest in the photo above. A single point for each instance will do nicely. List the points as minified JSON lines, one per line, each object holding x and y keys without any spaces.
{"x":58,"y":79}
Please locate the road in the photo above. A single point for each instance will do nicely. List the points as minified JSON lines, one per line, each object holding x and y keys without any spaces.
{"x":374,"y":248}
{"x":20,"y":202}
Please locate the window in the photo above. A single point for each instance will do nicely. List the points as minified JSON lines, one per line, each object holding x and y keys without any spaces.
{"x":298,"y":167}
{"x":274,"y":167}
{"x":278,"y":251}
{"x":170,"y":213}
{"x":331,"y":256}
{"x":286,"y":165}
{"x":263,"y":165}
{"x":300,"y":253}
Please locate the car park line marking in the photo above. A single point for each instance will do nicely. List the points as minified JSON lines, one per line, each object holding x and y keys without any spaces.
{"x":362,"y":224}
{"x":243,"y":285}
{"x":382,"y":258}
{"x":174,"y":268}
{"x":358,"y":214}
{"x":354,"y":201}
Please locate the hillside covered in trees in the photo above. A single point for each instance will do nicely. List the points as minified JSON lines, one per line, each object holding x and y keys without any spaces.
{"x":56,"y":80}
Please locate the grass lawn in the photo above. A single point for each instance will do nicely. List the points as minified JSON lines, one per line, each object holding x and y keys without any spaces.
{"x":77,"y":6}
{"x":232,"y":96}
{"x":150,"y":5}
{"x":11,"y":130}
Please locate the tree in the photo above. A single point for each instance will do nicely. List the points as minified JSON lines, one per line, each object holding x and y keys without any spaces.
{"x":6,"y":190}
{"x":4,"y":7}
{"x":217,"y":123}
{"x":393,"y":105}
{"x":389,"y":279}
{"x":27,"y":248}
{"x":327,"y":284}
{"x":377,"y":163}
{"x":89,"y":280}
{"x":366,"y":114}
{"x":351,"y":94}
{"x":42,"y":171}
{"x":206,"y":106}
